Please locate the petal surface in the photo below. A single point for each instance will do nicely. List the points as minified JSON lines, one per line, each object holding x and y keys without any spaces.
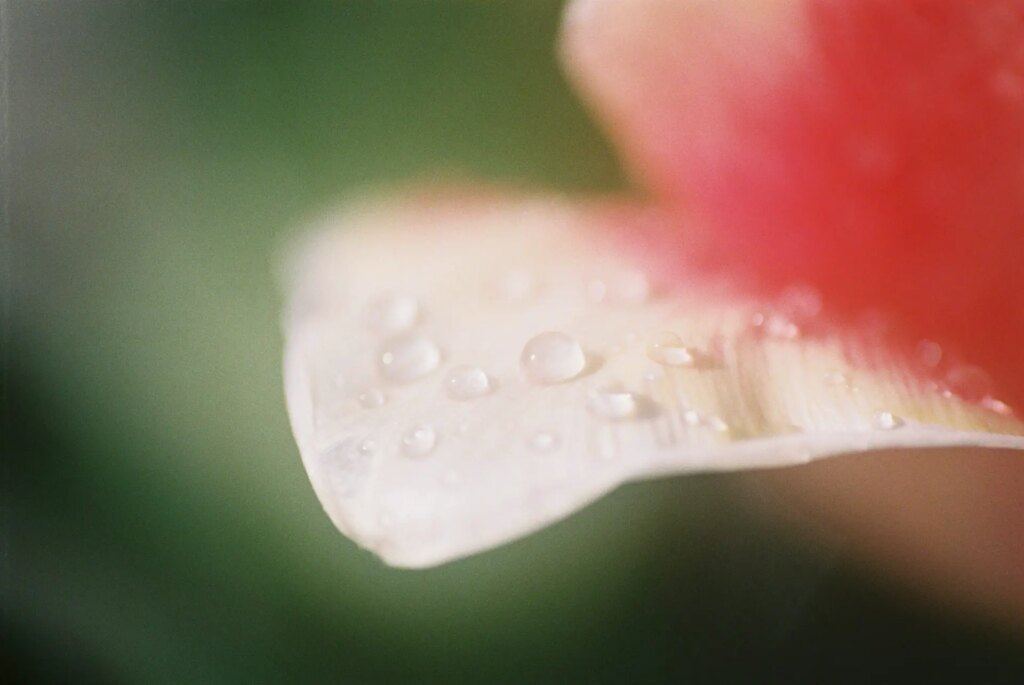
{"x":873,"y":149}
{"x":461,"y":371}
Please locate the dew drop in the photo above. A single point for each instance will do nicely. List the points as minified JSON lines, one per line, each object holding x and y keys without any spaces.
{"x":552,"y":357}
{"x":467,"y":383}
{"x":718,"y":424}
{"x":543,"y":441}
{"x":692,"y":417}
{"x":969,"y":382}
{"x":348,"y":465}
{"x":929,"y":353}
{"x":668,"y":350}
{"x":419,"y":441}
{"x":997,"y":406}
{"x":408,"y":358}
{"x":391,"y":314}
{"x":371,"y":398}
{"x":612,"y":403}
{"x":885,"y":420}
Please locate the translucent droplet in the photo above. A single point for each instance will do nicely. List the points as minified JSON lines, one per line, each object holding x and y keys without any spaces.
{"x":391,"y":314}
{"x":612,"y":403}
{"x":969,"y":382}
{"x":885,"y":420}
{"x":407,"y":358}
{"x":718,"y":424}
{"x":929,"y":353}
{"x":543,"y":441}
{"x":801,"y":303}
{"x":419,"y":441}
{"x":467,"y":383}
{"x":668,"y":350}
{"x":692,"y":417}
{"x":630,"y":287}
{"x":348,"y":465}
{"x":552,"y":358}
{"x":371,"y":398}
{"x":997,"y":406}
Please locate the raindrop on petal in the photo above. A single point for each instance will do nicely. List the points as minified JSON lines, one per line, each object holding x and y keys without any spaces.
{"x":419,"y":441}
{"x":551,"y":358}
{"x":467,"y":383}
{"x":408,"y":358}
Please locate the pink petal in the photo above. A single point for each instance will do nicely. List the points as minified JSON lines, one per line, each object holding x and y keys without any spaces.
{"x":873,"y":149}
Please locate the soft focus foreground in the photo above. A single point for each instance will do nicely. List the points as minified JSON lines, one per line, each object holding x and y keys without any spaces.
{"x":162,"y":529}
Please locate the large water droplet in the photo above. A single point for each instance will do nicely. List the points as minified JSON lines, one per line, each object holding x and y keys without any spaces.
{"x":552,"y":357}
{"x":407,"y":358}
{"x":543,"y":441}
{"x":668,"y":350}
{"x":392,"y":313}
{"x":419,"y":441}
{"x":612,"y":403}
{"x":371,"y":398}
{"x":885,"y":420}
{"x":467,"y":383}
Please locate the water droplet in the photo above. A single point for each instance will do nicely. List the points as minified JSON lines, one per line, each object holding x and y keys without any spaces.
{"x":997,"y":406}
{"x":801,"y":303}
{"x":630,"y":287}
{"x":552,"y":358}
{"x":419,"y":441}
{"x":929,"y":353}
{"x":612,"y":403}
{"x":348,"y":464}
{"x":467,"y":383}
{"x":778,"y":326}
{"x":407,"y":358}
{"x":969,"y":382}
{"x":692,"y":417}
{"x":718,"y":424}
{"x":392,"y":313}
{"x":667,"y":349}
{"x":885,"y":420}
{"x":516,"y":286}
{"x":543,"y":441}
{"x":371,"y":398}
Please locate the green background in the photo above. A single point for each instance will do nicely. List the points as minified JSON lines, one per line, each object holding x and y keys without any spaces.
{"x":159,"y":527}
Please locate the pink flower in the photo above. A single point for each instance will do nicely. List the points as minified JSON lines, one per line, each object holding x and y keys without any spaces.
{"x":829,"y":262}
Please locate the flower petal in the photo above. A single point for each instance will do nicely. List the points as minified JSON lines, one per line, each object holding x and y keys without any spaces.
{"x":462,"y":371}
{"x":873,"y":149}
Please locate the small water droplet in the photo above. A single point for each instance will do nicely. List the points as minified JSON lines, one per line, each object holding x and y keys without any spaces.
{"x":929,"y":353}
{"x":612,"y":403}
{"x":467,"y":383}
{"x":778,"y":326}
{"x":630,"y":287}
{"x":718,"y":424}
{"x":543,"y":441}
{"x":837,"y":379}
{"x":516,"y":286}
{"x":348,"y":465}
{"x":552,"y":357}
{"x":997,"y":406}
{"x":692,"y":417}
{"x":371,"y":398}
{"x":885,"y":420}
{"x":668,"y":350}
{"x":969,"y":382}
{"x":801,"y":303}
{"x":392,"y":313}
{"x":408,"y":358}
{"x":419,"y":441}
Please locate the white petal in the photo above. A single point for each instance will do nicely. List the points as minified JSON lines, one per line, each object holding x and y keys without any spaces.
{"x":431,"y":427}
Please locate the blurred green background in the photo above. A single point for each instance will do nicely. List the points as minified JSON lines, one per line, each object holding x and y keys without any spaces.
{"x":159,"y":527}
